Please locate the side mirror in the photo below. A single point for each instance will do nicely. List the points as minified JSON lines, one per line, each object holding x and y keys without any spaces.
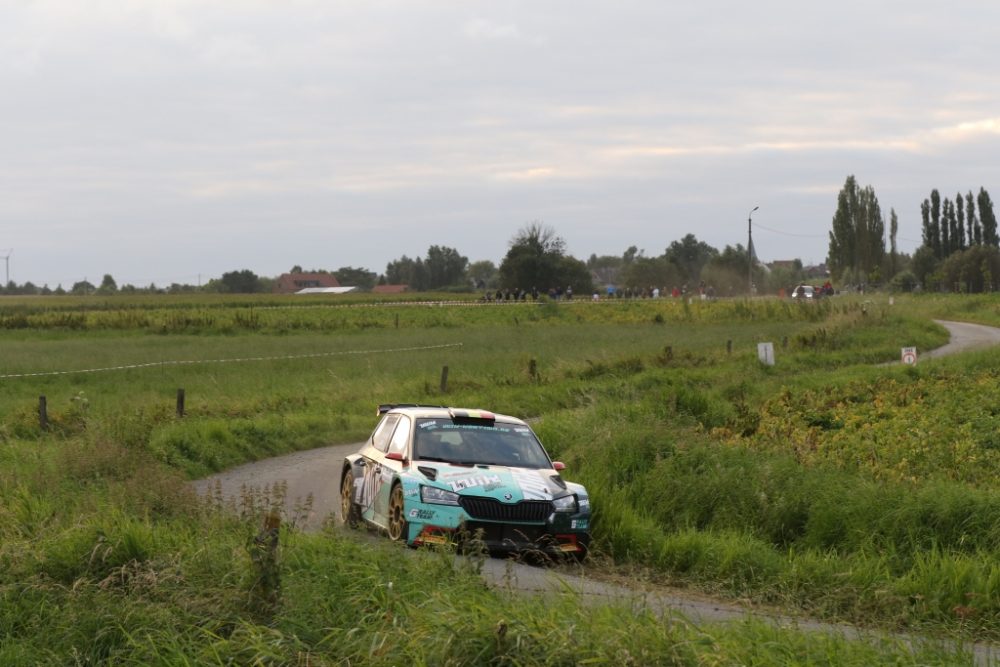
{"x":558,"y":466}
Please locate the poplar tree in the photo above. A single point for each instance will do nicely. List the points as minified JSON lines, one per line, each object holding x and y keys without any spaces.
{"x":893,"y":228}
{"x":960,"y":217}
{"x":857,"y":237}
{"x":988,"y":219}
{"x":975,"y":229}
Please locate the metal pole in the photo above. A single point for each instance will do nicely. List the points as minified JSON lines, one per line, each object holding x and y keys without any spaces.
{"x":750,"y":252}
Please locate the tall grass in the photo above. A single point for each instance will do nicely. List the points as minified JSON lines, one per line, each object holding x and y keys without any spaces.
{"x":100,"y":544}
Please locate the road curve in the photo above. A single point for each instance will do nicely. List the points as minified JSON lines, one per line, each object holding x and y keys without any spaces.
{"x":311,"y":479}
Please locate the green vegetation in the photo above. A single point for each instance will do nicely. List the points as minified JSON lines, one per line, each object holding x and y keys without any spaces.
{"x":823,"y":484}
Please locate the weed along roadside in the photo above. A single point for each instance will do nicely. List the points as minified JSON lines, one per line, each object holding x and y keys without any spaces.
{"x":309,"y":474}
{"x":823,"y":487}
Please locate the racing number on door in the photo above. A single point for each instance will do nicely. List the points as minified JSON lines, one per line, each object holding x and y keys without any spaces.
{"x":370,"y":484}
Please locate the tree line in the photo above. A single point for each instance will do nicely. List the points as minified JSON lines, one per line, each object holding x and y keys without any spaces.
{"x":959,"y":249}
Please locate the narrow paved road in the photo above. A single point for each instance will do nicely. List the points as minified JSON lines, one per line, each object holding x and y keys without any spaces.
{"x":315,"y":473}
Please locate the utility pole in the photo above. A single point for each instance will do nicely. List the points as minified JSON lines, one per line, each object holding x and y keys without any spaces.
{"x":750,"y":251}
{"x":6,"y":259}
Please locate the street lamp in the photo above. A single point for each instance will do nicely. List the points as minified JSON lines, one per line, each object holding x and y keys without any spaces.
{"x":750,"y":251}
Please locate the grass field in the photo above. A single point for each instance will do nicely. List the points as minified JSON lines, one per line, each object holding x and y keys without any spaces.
{"x":824,"y":484}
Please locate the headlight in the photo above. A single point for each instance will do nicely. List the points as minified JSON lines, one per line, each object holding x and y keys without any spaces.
{"x":565,"y":504}
{"x":436,"y":496}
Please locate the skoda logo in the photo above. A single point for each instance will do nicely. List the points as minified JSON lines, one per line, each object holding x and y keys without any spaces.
{"x":507,"y":496}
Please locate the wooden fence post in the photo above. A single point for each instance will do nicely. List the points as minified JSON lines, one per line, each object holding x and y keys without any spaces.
{"x":43,"y":413}
{"x":729,"y":346}
{"x":444,"y":379}
{"x":180,"y":402}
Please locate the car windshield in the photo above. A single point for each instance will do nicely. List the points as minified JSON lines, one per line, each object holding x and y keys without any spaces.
{"x":483,"y":443}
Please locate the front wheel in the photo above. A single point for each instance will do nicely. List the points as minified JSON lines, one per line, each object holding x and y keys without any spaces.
{"x":397,"y":526}
{"x":350,"y":513}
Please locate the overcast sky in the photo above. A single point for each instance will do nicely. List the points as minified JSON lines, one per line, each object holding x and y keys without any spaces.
{"x":173,"y":140}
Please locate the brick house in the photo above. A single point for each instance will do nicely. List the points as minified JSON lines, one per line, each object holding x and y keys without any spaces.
{"x":290,"y":283}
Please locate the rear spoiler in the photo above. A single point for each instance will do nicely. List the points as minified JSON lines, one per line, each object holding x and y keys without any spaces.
{"x":385,"y":407}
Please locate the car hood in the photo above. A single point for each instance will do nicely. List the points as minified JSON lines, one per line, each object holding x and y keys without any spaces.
{"x":508,"y":485}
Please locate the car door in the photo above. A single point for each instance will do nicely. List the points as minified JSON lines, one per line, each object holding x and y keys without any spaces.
{"x":373,"y":457}
{"x":396,"y":454}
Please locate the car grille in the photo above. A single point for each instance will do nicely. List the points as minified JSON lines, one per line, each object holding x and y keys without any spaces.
{"x":490,"y":509}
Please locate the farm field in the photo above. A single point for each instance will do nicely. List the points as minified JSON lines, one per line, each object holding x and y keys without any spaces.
{"x":824,"y":485}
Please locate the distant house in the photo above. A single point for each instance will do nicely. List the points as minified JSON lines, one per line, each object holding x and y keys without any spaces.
{"x":817,"y":271}
{"x":290,"y":283}
{"x":390,"y":289}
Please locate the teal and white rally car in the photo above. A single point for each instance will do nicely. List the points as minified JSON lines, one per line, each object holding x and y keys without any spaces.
{"x":437,"y":475}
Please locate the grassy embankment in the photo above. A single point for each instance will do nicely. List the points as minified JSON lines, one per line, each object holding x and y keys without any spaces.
{"x":707,"y":469}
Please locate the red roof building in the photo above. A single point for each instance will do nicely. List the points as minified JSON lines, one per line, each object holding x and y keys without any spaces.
{"x":290,"y":283}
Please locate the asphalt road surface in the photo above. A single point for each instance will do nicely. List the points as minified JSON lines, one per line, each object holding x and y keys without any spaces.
{"x":311,"y":479}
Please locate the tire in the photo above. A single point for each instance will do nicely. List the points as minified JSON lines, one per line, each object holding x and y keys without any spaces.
{"x":350,"y":513}
{"x":396,"y":524}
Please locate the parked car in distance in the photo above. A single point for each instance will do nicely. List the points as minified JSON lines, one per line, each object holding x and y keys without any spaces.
{"x":805,"y":292}
{"x":439,"y":475}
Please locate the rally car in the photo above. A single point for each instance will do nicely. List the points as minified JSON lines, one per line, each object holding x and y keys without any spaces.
{"x":439,"y":475}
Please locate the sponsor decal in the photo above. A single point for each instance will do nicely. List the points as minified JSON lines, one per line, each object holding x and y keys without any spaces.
{"x":413,"y":492}
{"x":584,"y":504}
{"x":533,"y":485}
{"x":492,"y":486}
{"x":421,"y":514}
{"x":579,"y":524}
{"x":473,"y":482}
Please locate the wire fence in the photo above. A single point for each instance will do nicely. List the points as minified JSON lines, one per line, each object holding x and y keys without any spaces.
{"x":192,"y":362}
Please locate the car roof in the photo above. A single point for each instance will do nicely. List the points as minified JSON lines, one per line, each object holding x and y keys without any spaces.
{"x":442,"y":412}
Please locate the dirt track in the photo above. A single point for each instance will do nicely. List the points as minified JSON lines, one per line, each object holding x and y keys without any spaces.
{"x":316,"y":472}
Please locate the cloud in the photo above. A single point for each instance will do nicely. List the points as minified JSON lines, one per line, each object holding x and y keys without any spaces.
{"x":487,"y":30}
{"x":969,"y":130}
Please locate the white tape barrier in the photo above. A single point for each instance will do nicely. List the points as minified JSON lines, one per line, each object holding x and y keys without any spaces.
{"x":191,"y":362}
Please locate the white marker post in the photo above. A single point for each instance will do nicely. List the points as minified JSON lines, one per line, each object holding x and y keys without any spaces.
{"x":909,"y":356}
{"x":765,"y":352}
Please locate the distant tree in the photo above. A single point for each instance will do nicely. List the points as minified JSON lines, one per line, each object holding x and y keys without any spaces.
{"x":893,"y":255}
{"x":925,"y":217}
{"x":108,"y":285}
{"x":59,"y":291}
{"x":857,"y":237}
{"x":237,"y":282}
{"x":607,"y":269}
{"x":960,"y":219}
{"x":445,"y":267}
{"x":82,"y":288}
{"x":402,"y":271}
{"x":355,"y":277}
{"x":728,"y":272}
{"x":482,"y":274}
{"x":689,"y":255}
{"x":645,"y":272}
{"x":975,"y":229}
{"x":536,"y":257}
{"x":987,"y":218}
{"x":941,"y":233}
{"x":971,"y":270}
{"x":924,"y":265}
{"x":296,"y":269}
{"x":574,"y":273}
